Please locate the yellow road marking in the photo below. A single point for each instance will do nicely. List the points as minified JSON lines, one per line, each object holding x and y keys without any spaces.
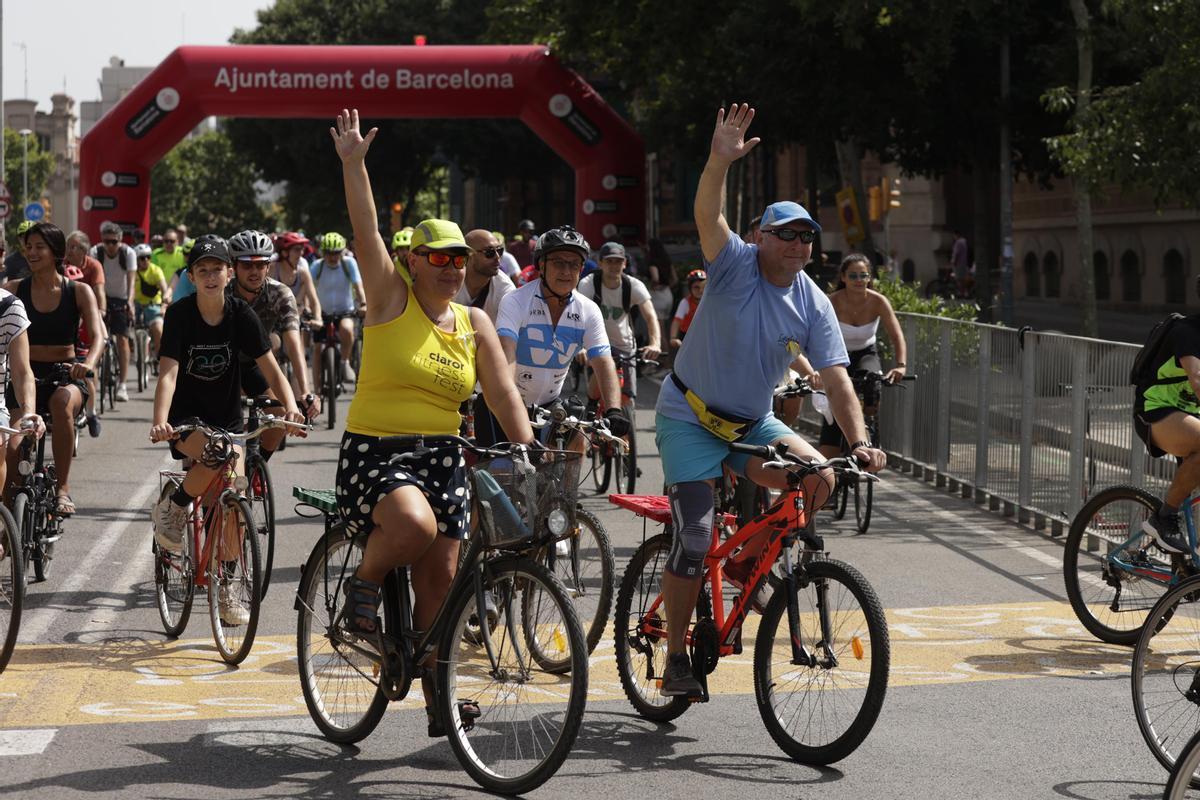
{"x":137,"y":680}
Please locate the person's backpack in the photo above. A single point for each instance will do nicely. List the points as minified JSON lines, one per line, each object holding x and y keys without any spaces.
{"x":1144,"y":372}
{"x":316,"y":274}
{"x":626,"y":290}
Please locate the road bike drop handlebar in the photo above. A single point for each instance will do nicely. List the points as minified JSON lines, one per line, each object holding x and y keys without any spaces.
{"x":556,"y":414}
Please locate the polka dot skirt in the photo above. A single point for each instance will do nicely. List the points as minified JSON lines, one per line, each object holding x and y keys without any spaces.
{"x":369,"y":469}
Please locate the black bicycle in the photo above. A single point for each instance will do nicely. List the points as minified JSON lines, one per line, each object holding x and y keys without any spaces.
{"x":510,"y":697}
{"x":867,"y":383}
{"x":12,"y":575}
{"x":260,"y":492}
{"x":329,"y":381}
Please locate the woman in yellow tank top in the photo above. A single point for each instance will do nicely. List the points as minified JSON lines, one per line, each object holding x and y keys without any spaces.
{"x":421,"y":357}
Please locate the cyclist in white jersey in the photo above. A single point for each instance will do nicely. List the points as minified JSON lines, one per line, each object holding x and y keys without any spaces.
{"x":543,"y":324}
{"x":120,"y":267}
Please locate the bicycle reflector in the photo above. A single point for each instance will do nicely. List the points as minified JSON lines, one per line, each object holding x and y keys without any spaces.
{"x":857,"y":646}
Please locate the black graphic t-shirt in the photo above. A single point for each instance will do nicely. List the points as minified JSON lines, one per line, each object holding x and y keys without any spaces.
{"x":209,"y":382}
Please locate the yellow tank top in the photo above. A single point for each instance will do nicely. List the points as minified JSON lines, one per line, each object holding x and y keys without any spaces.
{"x":414,"y":375}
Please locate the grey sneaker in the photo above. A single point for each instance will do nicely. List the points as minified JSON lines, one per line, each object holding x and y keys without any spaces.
{"x":169,"y":522}
{"x":678,"y":680}
{"x":231,"y":608}
{"x":122,"y":394}
{"x":1165,"y":531}
{"x":348,"y":373}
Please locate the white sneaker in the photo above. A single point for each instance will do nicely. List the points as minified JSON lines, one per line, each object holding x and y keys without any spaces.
{"x":169,"y":522}
{"x":347,"y":373}
{"x":122,"y":394}
{"x":231,"y":609}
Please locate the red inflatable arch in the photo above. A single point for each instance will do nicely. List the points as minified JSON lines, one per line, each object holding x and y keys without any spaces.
{"x":316,"y":81}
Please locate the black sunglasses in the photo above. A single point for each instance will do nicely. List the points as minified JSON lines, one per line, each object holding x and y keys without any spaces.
{"x":112,"y":241}
{"x":791,"y":235}
{"x":491,"y":252}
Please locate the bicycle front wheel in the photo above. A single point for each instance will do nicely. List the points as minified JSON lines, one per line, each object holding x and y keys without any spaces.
{"x":820,"y":708}
{"x":175,"y":578}
{"x":234,"y":576}
{"x":585,"y":566}
{"x":841,"y":497}
{"x":140,"y":340}
{"x":1109,"y":564}
{"x":864,"y":492}
{"x":641,"y":641}
{"x":329,"y":382}
{"x":601,"y":466}
{"x":1183,"y":776}
{"x":510,"y":722}
{"x":340,"y":682}
{"x":261,"y":495}
{"x":1166,"y":672}
{"x":12,"y":585}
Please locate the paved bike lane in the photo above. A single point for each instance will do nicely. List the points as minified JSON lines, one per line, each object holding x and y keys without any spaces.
{"x":996,"y":690}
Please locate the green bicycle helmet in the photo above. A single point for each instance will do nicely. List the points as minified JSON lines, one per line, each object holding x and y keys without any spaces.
{"x":186,"y":247}
{"x":333,"y":242}
{"x":402,"y":238}
{"x":24,"y":226}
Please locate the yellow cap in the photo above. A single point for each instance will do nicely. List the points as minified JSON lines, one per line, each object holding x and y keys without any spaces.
{"x":439,"y":234}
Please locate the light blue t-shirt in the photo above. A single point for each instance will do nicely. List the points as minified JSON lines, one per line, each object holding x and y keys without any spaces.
{"x":183,"y":286}
{"x":333,"y":285}
{"x":745,"y":334}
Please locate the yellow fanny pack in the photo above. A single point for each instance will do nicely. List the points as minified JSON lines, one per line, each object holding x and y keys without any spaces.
{"x":725,"y":426}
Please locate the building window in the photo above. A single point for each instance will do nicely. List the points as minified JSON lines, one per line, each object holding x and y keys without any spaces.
{"x":1174,"y":277}
{"x":1033,"y":286}
{"x":1050,"y":267}
{"x":1100,"y":268}
{"x":1131,"y":277}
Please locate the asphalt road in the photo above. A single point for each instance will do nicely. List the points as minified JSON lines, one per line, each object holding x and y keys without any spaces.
{"x":995,"y":692}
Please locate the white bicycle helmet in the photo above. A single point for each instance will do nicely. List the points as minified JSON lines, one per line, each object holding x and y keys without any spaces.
{"x":249,"y":245}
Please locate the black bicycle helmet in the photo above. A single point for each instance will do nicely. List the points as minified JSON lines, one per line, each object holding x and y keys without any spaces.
{"x":562,"y":238}
{"x":250,"y":245}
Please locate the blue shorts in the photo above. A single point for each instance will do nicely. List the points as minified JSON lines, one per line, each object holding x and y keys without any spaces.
{"x":690,"y":453}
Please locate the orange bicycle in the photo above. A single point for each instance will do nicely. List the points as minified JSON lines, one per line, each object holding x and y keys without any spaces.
{"x":216,"y":554}
{"x":821,"y":654}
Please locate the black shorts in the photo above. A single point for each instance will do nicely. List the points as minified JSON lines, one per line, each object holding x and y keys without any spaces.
{"x":369,"y":469}
{"x":866,"y":359}
{"x":116,"y":316}
{"x":42,"y":369}
{"x":1142,"y":420}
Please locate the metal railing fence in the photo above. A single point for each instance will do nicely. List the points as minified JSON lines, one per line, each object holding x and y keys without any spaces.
{"x":1032,"y":423}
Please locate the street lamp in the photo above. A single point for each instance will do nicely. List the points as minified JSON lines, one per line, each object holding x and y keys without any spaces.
{"x":25,"y":134}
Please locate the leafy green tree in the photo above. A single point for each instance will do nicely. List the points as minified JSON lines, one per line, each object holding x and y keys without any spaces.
{"x":208,"y":185}
{"x":41,"y":167}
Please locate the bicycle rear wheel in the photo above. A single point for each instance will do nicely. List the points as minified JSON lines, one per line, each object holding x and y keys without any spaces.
{"x":261,"y":495}
{"x":1166,"y":672}
{"x":140,"y":340}
{"x":641,"y":648}
{"x":585,"y":566}
{"x":175,"y":578}
{"x":234,"y":581}
{"x":1107,"y":563}
{"x":1183,"y":776}
{"x":818,"y":713}
{"x":864,"y":491}
{"x":340,"y":683}
{"x":12,"y":586}
{"x":102,"y":401}
{"x":510,"y":722}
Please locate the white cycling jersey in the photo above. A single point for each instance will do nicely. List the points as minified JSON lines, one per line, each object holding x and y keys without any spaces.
{"x":545,"y":350}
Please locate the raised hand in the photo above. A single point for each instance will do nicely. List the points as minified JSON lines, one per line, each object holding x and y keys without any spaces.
{"x":350,"y":143}
{"x":729,"y":141}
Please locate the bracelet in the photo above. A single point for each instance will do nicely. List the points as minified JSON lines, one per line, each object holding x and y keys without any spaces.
{"x":857,"y":445}
{"x":900,"y":365}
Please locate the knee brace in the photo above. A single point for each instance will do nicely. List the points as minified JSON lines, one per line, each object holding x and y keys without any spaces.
{"x":692,"y":516}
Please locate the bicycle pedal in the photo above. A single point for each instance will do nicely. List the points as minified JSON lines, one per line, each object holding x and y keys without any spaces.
{"x":51,"y":539}
{"x":468,"y":712}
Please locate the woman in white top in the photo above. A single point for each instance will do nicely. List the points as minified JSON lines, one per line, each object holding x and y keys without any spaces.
{"x":859,"y":310}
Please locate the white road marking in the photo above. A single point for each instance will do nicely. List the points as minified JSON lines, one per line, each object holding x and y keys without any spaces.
{"x":83,"y":573}
{"x":27,"y":742}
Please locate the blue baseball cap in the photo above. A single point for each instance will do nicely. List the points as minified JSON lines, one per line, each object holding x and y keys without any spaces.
{"x":786,"y":211}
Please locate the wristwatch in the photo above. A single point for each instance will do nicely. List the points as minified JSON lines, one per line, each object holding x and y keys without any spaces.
{"x":857,"y":445}
{"x":900,"y":365}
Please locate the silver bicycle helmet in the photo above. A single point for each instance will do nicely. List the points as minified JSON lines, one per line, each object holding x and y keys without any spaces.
{"x":249,"y":245}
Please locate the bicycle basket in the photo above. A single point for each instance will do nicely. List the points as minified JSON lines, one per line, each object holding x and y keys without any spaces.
{"x":519,"y":505}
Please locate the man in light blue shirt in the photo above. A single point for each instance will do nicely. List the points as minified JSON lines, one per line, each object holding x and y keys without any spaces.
{"x":759,"y":312}
{"x":339,"y":289}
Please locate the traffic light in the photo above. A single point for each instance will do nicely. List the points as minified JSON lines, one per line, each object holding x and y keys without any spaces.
{"x":45,"y":201}
{"x":397,"y":211}
{"x":874,"y":203}
{"x":889,"y":194}
{"x":419,"y":40}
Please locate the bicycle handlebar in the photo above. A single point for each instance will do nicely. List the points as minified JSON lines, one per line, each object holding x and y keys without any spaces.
{"x":265,"y":423}
{"x":507,"y":450}
{"x":557,"y":415}
{"x":778,"y":457}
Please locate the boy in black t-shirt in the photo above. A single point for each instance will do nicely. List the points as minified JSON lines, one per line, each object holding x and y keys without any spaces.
{"x":199,"y":377}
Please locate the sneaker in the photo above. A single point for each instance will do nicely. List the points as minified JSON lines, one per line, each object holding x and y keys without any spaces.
{"x":122,"y":394}
{"x":169,"y":522}
{"x":738,"y":572}
{"x":347,"y":372}
{"x":1165,"y":531}
{"x":678,"y":680}
{"x":93,"y":425}
{"x":231,"y":608}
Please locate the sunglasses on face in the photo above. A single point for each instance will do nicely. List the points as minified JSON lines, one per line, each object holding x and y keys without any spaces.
{"x":439,"y":259}
{"x":859,"y":276}
{"x":112,"y":241}
{"x":253,"y":263}
{"x":791,"y":235}
{"x":491,"y":252}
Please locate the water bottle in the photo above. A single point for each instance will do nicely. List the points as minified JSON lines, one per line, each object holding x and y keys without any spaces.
{"x":509,"y":525}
